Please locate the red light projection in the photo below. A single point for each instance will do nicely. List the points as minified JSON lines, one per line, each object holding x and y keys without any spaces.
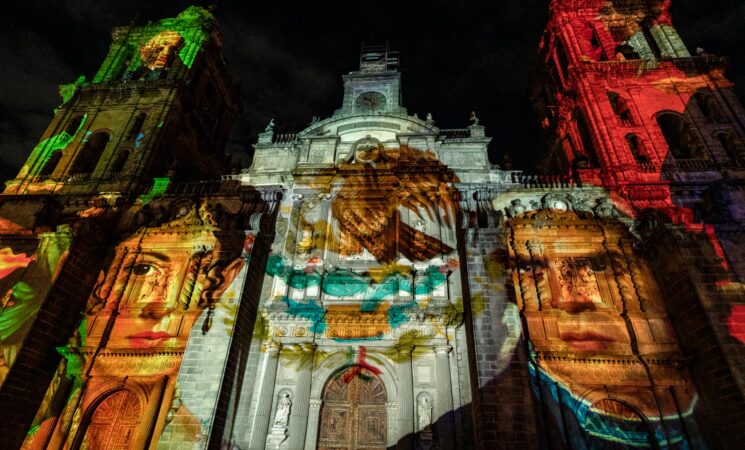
{"x":736,"y":322}
{"x":10,"y":262}
{"x":360,"y":367}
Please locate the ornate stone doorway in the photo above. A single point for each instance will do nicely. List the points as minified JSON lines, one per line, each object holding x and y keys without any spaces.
{"x":114,"y":423}
{"x":353,"y":414}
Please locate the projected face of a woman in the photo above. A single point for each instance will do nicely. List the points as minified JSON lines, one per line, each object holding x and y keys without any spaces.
{"x":150,"y":315}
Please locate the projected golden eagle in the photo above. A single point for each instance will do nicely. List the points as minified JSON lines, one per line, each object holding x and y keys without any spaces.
{"x":375,"y":184}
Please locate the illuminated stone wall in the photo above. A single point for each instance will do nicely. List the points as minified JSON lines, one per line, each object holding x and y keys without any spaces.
{"x":110,"y":260}
{"x":121,"y":128}
{"x":373,"y":281}
{"x":625,"y":106}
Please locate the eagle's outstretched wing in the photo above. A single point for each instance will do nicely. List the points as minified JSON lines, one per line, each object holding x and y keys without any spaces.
{"x":367,"y":207}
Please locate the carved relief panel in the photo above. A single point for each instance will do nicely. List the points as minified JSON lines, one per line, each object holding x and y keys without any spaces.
{"x":577,"y":281}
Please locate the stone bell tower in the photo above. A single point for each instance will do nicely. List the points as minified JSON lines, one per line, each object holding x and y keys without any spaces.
{"x":621,"y":99}
{"x":162,"y":101}
{"x":624,"y":105}
{"x":376,"y":87}
{"x":160,"y":106}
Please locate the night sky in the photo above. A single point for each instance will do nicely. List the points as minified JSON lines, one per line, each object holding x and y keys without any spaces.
{"x":456,"y":56}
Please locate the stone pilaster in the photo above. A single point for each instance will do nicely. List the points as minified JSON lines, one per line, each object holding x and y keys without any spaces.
{"x":524,"y":277}
{"x":405,"y":407}
{"x":390,"y":410}
{"x":314,"y":418}
{"x":300,"y":406}
{"x":266,"y":394}
{"x":443,"y":404}
{"x":150,"y":414}
{"x":540,"y":276}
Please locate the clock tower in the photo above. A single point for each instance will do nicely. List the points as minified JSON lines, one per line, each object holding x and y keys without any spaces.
{"x":376,"y":87}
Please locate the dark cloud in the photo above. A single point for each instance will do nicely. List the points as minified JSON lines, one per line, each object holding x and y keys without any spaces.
{"x":457,"y":56}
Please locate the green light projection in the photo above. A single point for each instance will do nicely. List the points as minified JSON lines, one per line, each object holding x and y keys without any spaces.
{"x":66,"y":91}
{"x":160,"y":186}
{"x":27,"y":270}
{"x":46,"y":148}
{"x":344,"y":283}
{"x":125,"y":58}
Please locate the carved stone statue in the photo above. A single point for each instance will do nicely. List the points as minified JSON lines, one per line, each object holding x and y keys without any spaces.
{"x":424,"y":410}
{"x":605,"y":209}
{"x":270,"y":127}
{"x":306,"y":239}
{"x":473,"y":119}
{"x":516,"y":208}
{"x":283,"y":410}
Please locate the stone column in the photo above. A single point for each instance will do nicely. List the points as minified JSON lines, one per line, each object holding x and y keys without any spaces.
{"x":443,"y":404}
{"x":637,"y":277}
{"x":266,"y":397}
{"x":405,"y":407}
{"x":622,"y":277}
{"x":525,"y":277}
{"x":540,"y":275}
{"x":300,"y":404}
{"x":314,"y":419}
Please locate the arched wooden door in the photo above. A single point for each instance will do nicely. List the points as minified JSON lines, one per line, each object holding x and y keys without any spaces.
{"x":114,"y":423}
{"x":353,"y":413}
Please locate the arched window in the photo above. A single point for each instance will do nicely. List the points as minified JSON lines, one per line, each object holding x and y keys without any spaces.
{"x":113,"y":424}
{"x":651,"y":41}
{"x":561,"y":58}
{"x":89,"y":154}
{"x":621,"y":108}
{"x":708,"y":106}
{"x":51,"y":164}
{"x":638,"y":150}
{"x":74,"y":124}
{"x":120,"y":161}
{"x":681,"y":139}
{"x":136,"y":127}
{"x":735,"y":153}
{"x":585,"y":137}
{"x":625,"y":52}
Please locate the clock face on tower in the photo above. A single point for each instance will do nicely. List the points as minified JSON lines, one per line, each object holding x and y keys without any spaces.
{"x":370,"y":101}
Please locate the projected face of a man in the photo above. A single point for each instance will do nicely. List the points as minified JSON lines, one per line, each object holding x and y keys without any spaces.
{"x":588,"y":324}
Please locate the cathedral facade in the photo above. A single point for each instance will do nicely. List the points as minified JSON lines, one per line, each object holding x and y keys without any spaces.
{"x":373,"y":281}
